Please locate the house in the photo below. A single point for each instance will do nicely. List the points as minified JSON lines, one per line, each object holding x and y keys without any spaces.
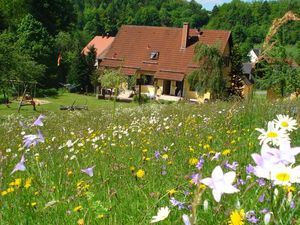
{"x":253,"y":54}
{"x":163,"y":56}
{"x":101,"y":45}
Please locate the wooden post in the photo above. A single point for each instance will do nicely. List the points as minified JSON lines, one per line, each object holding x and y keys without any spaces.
{"x":20,"y":104}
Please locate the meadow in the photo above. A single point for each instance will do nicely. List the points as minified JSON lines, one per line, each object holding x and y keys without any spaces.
{"x":97,"y":167}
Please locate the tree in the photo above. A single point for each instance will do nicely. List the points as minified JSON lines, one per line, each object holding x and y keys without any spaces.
{"x":208,"y":77}
{"x":236,"y":73}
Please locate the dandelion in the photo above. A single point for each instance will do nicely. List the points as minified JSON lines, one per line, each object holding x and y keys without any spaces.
{"x":77,"y":208}
{"x":140,"y":173}
{"x":80,"y":222}
{"x":193,"y":161}
{"x":162,"y":214}
{"x":33,"y":204}
{"x":226,"y":152}
{"x":89,"y":171}
{"x":20,"y":166}
{"x":285,"y":122}
{"x":220,"y":183}
{"x":171,"y":192}
{"x":237,"y":218}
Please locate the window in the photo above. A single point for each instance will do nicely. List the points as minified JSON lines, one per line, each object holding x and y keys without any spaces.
{"x":146,"y":80}
{"x":154,"y":55}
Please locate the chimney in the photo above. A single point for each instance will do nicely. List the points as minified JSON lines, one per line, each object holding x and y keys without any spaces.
{"x":185,"y":35}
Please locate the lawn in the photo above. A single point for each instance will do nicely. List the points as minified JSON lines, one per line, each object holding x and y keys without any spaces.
{"x":143,"y":158}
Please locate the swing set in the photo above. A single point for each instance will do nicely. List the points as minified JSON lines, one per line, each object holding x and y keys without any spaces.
{"x":22,"y":91}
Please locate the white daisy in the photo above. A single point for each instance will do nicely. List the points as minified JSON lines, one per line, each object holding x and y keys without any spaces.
{"x":285,"y":175}
{"x":162,"y":214}
{"x":286,"y":123}
{"x":273,"y":135}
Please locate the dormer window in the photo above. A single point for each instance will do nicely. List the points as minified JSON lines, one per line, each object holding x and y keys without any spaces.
{"x":154,"y":55}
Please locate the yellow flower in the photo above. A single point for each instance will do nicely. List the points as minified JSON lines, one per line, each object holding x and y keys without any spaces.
{"x":233,"y":142}
{"x":203,"y":186}
{"x":210,"y":137}
{"x":132,"y":168}
{"x":33,"y":204}
{"x":193,"y":161}
{"x":140,"y":173}
{"x":237,"y":217}
{"x":100,"y":216}
{"x":165,"y":156}
{"x":206,"y":146}
{"x":80,"y":222}
{"x":291,"y":189}
{"x":171,"y":192}
{"x":3,"y":193}
{"x":70,"y":172}
{"x":9,"y":190}
{"x":77,"y":209}
{"x":226,"y":152}
{"x":28,"y":182}
{"x":145,"y":150}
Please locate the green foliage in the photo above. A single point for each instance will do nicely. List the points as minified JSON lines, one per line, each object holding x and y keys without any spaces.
{"x":208,"y":77}
{"x":112,"y":79}
{"x":141,"y":99}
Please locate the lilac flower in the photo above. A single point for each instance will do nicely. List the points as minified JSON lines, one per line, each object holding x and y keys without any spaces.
{"x":186,"y":219}
{"x":157,"y":154}
{"x":250,"y":216}
{"x":292,"y":205}
{"x":261,"y":182}
{"x":163,"y":172}
{"x":265,"y":210}
{"x":166,"y":149}
{"x":216,"y":156}
{"x":220,"y":183}
{"x":249,"y":169}
{"x":261,"y":198}
{"x":33,"y":139}
{"x":39,"y":121}
{"x":186,"y":193}
{"x":240,"y":182}
{"x":195,"y":178}
{"x":200,"y":163}
{"x":175,"y":203}
{"x":89,"y":171}
{"x":232,"y":166}
{"x":20,"y":166}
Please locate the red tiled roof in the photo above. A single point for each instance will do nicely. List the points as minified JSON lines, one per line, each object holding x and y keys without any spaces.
{"x":133,"y":44}
{"x":101,"y":44}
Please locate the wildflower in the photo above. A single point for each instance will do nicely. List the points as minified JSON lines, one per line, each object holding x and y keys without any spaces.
{"x":232,"y":166}
{"x":251,"y":217}
{"x":273,"y":135}
{"x":195,"y":178}
{"x":285,"y":175}
{"x":205,"y":205}
{"x":216,"y":156}
{"x":286,"y":123}
{"x":140,"y":173}
{"x":132,"y":168}
{"x":237,"y":217}
{"x":89,"y":171}
{"x":100,"y":216}
{"x":186,"y":219}
{"x":162,"y":214}
{"x":249,"y":169}
{"x":193,"y":161}
{"x":165,"y":156}
{"x":157,"y":154}
{"x":175,"y":203}
{"x":261,"y":198}
{"x":39,"y":121}
{"x":200,"y":164}
{"x":20,"y":165}
{"x":77,"y":208}
{"x":3,"y":193}
{"x":226,"y":152}
{"x":33,"y":139}
{"x":33,"y":204}
{"x":220,"y":183}
{"x":267,"y":218}
{"x":80,"y":222}
{"x":171,"y":192}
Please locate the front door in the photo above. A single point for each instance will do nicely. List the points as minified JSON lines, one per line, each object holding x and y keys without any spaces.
{"x":167,"y":87}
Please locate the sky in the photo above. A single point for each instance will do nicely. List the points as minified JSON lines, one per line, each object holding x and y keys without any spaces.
{"x":209,"y":4}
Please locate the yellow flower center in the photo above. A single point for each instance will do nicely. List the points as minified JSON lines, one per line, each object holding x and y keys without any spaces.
{"x":283,"y":177}
{"x":272,"y":134}
{"x":284,"y":124}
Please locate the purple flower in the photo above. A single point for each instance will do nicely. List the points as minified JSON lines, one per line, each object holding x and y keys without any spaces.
{"x":232,"y":166}
{"x":216,"y":156}
{"x":292,"y":205}
{"x":186,"y":193}
{"x":39,"y":121}
{"x":261,"y":198}
{"x":175,"y":203}
{"x":265,"y":211}
{"x":163,"y":172}
{"x":240,"y":182}
{"x":89,"y":171}
{"x":200,"y":163}
{"x":20,"y":166}
{"x":261,"y":182}
{"x":195,"y":178}
{"x":250,"y":216}
{"x":249,"y":169}
{"x":33,"y":139}
{"x":157,"y":154}
{"x":166,"y":149}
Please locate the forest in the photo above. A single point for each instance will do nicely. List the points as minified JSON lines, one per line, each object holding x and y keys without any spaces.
{"x":33,"y":33}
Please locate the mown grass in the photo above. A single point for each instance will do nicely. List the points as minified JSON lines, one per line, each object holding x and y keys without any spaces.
{"x":119,"y":146}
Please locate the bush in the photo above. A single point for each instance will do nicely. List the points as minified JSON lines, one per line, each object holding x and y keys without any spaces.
{"x":46,"y":92}
{"x":144,"y":98}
